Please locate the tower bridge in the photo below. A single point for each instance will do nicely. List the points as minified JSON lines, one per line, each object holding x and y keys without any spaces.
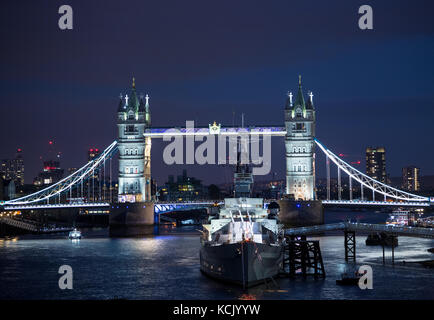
{"x":134,"y":142}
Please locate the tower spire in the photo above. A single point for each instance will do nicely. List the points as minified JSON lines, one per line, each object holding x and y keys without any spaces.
{"x":299,"y":100}
{"x":134,"y":83}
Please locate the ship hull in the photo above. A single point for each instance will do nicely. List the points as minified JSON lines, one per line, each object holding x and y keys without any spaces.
{"x":245,"y":264}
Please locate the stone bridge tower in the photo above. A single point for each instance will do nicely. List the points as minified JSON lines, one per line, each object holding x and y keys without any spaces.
{"x":300,"y":146}
{"x":134,"y":149}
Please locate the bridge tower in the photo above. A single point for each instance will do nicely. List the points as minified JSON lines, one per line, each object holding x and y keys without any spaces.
{"x":300,"y":146}
{"x":134,"y":149}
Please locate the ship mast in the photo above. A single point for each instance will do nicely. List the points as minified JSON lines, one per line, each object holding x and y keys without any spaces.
{"x":243,"y":178}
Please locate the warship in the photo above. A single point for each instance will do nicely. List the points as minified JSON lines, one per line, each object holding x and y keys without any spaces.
{"x":242,"y":244}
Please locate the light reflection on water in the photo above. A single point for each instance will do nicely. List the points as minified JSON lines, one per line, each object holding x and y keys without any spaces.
{"x":167,"y":267}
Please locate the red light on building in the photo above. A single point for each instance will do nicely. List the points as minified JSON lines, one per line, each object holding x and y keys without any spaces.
{"x":341,"y":154}
{"x":50,"y":142}
{"x":19,"y":150}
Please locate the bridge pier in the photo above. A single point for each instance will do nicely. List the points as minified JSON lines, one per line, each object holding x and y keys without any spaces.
{"x":300,"y":254}
{"x":301,"y":213}
{"x":350,"y":245}
{"x":131,"y":219}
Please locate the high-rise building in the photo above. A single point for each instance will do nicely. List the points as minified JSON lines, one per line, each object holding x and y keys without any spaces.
{"x":93,"y":153}
{"x":300,"y":146}
{"x":134,"y":148}
{"x":376,"y":163}
{"x":13,"y":169}
{"x":51,"y":173}
{"x":410,"y":178}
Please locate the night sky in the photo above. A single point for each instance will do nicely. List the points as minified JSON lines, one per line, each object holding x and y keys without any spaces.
{"x":204,"y":60}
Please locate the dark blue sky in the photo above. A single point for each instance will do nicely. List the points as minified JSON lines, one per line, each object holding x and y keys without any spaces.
{"x":202,"y":60}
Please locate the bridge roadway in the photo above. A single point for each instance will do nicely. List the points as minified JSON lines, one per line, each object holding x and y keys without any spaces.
{"x":161,"y":207}
{"x":56,"y":206}
{"x":366,"y":227}
{"x":361,"y":203}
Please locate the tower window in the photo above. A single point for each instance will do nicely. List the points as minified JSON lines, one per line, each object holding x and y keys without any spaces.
{"x":298,"y":112}
{"x":299,"y":126}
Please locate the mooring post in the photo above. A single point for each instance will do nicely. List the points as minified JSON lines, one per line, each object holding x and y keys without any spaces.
{"x":393,"y":250}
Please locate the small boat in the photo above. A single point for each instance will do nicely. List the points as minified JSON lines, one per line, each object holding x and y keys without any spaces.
{"x":74,"y":234}
{"x":347,"y":280}
{"x":378,"y":239}
{"x":374,"y":239}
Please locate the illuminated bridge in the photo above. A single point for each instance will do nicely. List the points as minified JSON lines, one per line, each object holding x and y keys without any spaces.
{"x":72,"y":185}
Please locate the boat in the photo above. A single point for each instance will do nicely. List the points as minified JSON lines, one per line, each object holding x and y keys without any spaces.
{"x":74,"y":234}
{"x":398,"y":217}
{"x":373,"y":239}
{"x":242,"y":244}
{"x":378,"y":239}
{"x":347,"y":280}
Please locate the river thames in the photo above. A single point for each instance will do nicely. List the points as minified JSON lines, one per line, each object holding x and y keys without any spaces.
{"x":166,"y":266}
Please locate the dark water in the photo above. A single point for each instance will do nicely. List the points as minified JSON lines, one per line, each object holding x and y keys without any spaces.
{"x":166,"y":266}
